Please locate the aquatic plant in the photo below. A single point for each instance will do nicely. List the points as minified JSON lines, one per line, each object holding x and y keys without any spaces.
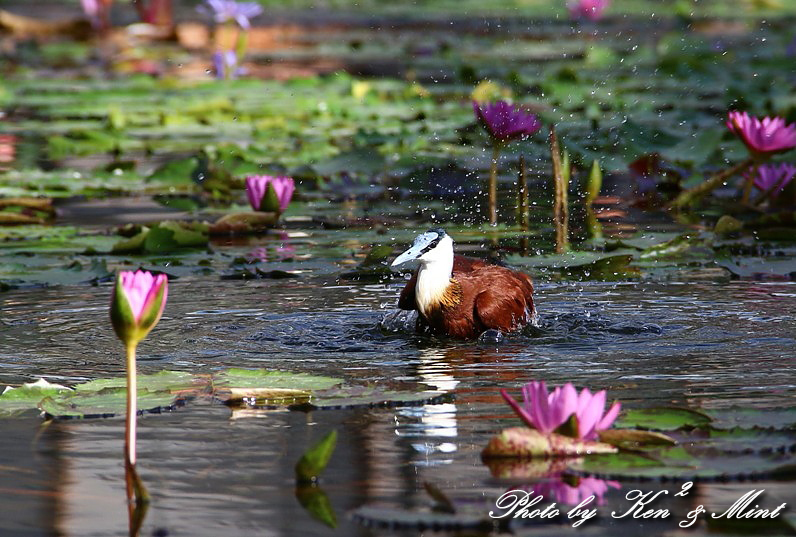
{"x":270,"y":194}
{"x":137,"y":303}
{"x":504,"y":123}
{"x":224,"y":11}
{"x":564,"y":410}
{"x":587,"y":9}
{"x":562,"y":492}
{"x":225,"y":64}
{"x":762,"y":137}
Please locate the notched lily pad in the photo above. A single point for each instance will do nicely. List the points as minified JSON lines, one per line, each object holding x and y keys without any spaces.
{"x":258,"y":387}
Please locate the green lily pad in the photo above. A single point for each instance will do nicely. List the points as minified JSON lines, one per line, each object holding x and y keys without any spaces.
{"x":663,"y":418}
{"x":104,"y":403}
{"x":15,"y":400}
{"x":163,"y":381}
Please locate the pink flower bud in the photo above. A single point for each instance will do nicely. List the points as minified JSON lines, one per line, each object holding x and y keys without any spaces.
{"x":267,"y":193}
{"x":137,"y":303}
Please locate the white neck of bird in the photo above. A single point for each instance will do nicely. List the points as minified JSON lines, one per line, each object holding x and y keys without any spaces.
{"x":433,"y":279}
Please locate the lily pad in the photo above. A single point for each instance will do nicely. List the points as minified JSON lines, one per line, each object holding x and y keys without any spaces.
{"x":15,"y":400}
{"x":105,"y":403}
{"x":663,"y":418}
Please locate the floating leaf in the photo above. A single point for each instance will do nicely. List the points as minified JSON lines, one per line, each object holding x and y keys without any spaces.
{"x":398,"y":519}
{"x":663,"y":418}
{"x":27,"y":396}
{"x":243,"y":223}
{"x":104,"y":403}
{"x":634,"y":438}
{"x":163,"y":381}
{"x":527,"y":442}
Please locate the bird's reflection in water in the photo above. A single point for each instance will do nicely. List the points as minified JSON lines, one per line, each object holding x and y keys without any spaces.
{"x":432,"y":425}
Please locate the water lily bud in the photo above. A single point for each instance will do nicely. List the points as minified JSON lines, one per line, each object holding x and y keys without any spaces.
{"x":137,"y":303}
{"x":269,"y":194}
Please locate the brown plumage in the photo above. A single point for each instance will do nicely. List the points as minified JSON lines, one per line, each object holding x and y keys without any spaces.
{"x":476,"y":297}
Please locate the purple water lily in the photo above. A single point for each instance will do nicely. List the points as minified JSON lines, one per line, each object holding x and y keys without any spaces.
{"x":547,"y":412}
{"x":228,"y":10}
{"x":762,"y":137}
{"x":773,"y":177}
{"x":587,"y":9}
{"x":505,"y":122}
{"x":258,"y":187}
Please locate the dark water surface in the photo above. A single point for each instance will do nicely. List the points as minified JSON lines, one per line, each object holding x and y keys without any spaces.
{"x":214,"y":473}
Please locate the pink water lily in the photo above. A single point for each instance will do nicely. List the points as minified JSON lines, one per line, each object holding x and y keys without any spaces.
{"x":762,"y":137}
{"x":546,"y":412}
{"x":505,"y":122}
{"x":258,"y":188}
{"x":137,"y":304}
{"x":587,"y":9}
{"x":773,"y":177}
{"x":559,"y":491}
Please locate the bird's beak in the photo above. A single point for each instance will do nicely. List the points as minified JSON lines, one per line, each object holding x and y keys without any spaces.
{"x":408,"y":260}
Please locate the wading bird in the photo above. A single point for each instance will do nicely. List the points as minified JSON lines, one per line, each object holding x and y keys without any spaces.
{"x":460,"y":297}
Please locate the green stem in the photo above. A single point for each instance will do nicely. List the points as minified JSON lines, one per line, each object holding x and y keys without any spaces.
{"x":522,"y":195}
{"x":493,"y":185}
{"x":692,"y":195}
{"x":132,"y":410}
{"x":561,"y":203}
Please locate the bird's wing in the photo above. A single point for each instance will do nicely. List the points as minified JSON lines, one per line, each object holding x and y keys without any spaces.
{"x":407,"y":299}
{"x":503,"y":307}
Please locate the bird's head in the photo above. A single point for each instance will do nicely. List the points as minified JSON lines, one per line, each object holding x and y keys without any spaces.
{"x":432,"y":246}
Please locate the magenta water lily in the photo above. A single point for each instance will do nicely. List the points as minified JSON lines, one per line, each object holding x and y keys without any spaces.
{"x":548,"y":412}
{"x":763,"y":137}
{"x":268,"y":193}
{"x":587,"y":9}
{"x":138,"y":301}
{"x":505,"y":122}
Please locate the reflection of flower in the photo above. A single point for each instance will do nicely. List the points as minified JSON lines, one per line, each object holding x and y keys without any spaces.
{"x":547,"y":412}
{"x":762,"y":137}
{"x":773,"y":177}
{"x":137,"y":304}
{"x":587,"y":9}
{"x":505,"y":122}
{"x":283,"y":250}
{"x":267,"y":193}
{"x":562,"y":492}
{"x":229,"y":10}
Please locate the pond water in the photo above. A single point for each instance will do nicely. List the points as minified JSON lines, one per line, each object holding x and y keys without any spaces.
{"x":214,"y":472}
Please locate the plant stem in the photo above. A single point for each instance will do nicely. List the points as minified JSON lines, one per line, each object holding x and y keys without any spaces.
{"x":493,"y":185}
{"x":522,"y":195}
{"x":692,"y":195}
{"x":132,"y":410}
{"x":560,"y":205}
